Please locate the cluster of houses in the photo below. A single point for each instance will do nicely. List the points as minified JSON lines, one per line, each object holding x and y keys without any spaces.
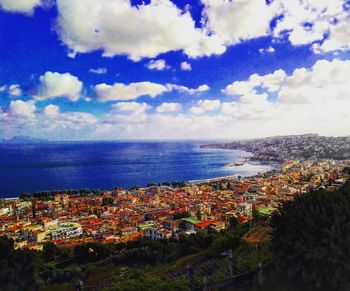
{"x":161,"y":212}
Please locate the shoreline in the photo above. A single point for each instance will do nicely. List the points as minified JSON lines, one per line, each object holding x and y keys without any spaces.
{"x":232,"y":177}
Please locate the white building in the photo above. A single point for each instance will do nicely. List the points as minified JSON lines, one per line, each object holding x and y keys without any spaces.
{"x":66,"y":230}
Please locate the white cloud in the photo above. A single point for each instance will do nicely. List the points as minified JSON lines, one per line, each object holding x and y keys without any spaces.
{"x":160,"y":26}
{"x":272,"y":82}
{"x":20,"y":6}
{"x":238,"y":20}
{"x":185,"y":66}
{"x":168,"y":107}
{"x":240,"y":87}
{"x":22,"y":117}
{"x":158,"y":65}
{"x":98,"y":71}
{"x":53,"y":85}
{"x":309,"y":21}
{"x":133,"y":107}
{"x":312,"y":99}
{"x":204,"y":106}
{"x":184,"y":89}
{"x":251,"y":106}
{"x":338,"y":39}
{"x":308,"y":100}
{"x":120,"y":91}
{"x":22,"y":108}
{"x":151,"y":29}
{"x":270,"y":50}
{"x":15,"y":90}
{"x":325,"y":82}
{"x":51,"y":111}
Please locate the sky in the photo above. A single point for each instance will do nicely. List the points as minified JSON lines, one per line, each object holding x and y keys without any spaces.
{"x":206,"y":69}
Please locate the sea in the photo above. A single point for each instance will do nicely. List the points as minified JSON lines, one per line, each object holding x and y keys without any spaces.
{"x":105,"y":165}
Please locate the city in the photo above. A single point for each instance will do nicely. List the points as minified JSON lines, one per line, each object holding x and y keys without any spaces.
{"x":161,"y":212}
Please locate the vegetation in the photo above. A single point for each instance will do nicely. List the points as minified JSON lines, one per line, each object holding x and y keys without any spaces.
{"x":173,"y":184}
{"x":184,"y":214}
{"x":25,"y":196}
{"x":138,"y":281}
{"x":19,"y":269}
{"x":48,"y":195}
{"x":310,"y":240}
{"x":107,"y":200}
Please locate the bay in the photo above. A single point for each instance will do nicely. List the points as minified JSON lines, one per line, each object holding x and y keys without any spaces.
{"x":105,"y":165}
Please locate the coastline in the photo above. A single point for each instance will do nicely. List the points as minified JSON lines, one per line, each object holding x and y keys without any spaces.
{"x":275,"y":166}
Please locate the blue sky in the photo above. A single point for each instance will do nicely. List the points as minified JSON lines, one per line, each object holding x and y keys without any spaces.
{"x":111,"y":69}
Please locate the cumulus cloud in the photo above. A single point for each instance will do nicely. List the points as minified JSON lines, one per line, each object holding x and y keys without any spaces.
{"x":338,"y":38}
{"x":314,"y":99}
{"x":161,"y":26}
{"x":270,"y":50}
{"x":271,"y":82}
{"x":132,"y":107}
{"x":324,"y":82}
{"x":204,"y":106}
{"x":23,"y":117}
{"x":20,"y":6}
{"x":15,"y":90}
{"x":51,"y":110}
{"x":54,"y":85}
{"x":185,"y":66}
{"x":158,"y":65}
{"x":324,"y":23}
{"x":22,"y":108}
{"x":184,"y":89}
{"x":151,"y":29}
{"x":120,"y":91}
{"x":308,"y":100}
{"x":168,"y":107}
{"x":237,"y":20}
{"x":98,"y":71}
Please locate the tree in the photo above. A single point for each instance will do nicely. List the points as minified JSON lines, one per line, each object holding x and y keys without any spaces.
{"x":183,"y":214}
{"x":19,"y":269}
{"x":51,"y":252}
{"x":90,"y":252}
{"x":198,"y":214}
{"x":96,"y":191}
{"x":107,"y":200}
{"x":134,"y":187}
{"x":311,"y":238}
{"x":25,"y":196}
{"x":233,"y":221}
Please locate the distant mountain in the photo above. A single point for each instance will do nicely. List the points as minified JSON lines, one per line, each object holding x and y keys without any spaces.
{"x":24,"y":140}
